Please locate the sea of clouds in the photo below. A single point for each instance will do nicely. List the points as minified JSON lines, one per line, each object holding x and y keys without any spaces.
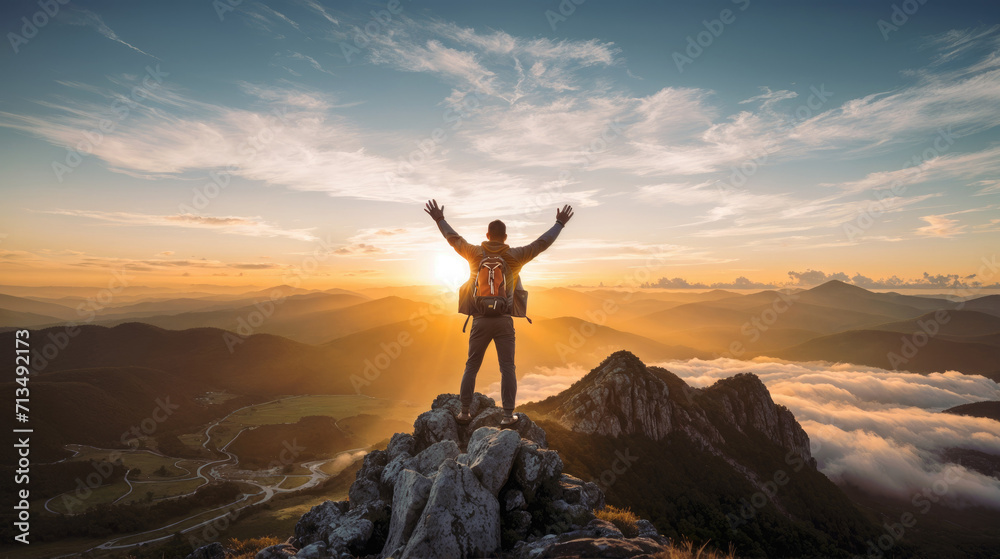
{"x":879,"y":430}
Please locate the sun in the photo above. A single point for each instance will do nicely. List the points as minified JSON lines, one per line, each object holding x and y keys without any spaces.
{"x":450,"y":270}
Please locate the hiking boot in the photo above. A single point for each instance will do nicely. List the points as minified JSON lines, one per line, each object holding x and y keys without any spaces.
{"x":463,"y":417}
{"x":509,"y":420}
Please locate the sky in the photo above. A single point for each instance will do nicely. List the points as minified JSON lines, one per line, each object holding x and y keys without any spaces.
{"x":249,"y":143}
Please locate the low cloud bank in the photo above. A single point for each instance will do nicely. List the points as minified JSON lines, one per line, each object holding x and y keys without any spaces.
{"x":538,"y":386}
{"x":811,"y":278}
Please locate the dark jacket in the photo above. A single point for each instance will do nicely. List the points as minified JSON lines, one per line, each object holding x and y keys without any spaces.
{"x":515,"y":257}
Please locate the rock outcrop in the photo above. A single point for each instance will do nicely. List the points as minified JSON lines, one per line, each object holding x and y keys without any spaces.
{"x":454,"y":491}
{"x":622,"y":396}
{"x":618,"y":398}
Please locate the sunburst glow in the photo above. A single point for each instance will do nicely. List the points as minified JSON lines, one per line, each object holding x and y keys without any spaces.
{"x":450,"y":270}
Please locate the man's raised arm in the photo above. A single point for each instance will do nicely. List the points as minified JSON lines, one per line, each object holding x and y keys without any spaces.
{"x":456,"y":241}
{"x":526,"y":253}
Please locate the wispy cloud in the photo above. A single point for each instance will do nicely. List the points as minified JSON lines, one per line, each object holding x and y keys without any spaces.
{"x":310,"y":148}
{"x":266,"y":19}
{"x":79,"y":16}
{"x":298,"y":56}
{"x":250,"y":226}
{"x":967,"y":166}
{"x":319,"y":9}
{"x":940,"y":226}
{"x":957,"y":42}
{"x":165,"y":264}
{"x":495,"y":63}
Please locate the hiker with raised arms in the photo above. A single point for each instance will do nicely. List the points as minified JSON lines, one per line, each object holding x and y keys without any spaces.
{"x":492,"y":297}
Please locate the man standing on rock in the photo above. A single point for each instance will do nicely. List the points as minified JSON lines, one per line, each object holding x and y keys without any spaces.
{"x":492,"y":316}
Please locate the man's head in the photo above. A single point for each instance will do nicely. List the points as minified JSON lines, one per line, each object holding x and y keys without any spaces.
{"x":497,"y":231}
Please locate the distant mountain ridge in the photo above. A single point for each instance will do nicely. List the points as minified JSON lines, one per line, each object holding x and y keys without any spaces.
{"x":988,"y":409}
{"x":834,"y":321}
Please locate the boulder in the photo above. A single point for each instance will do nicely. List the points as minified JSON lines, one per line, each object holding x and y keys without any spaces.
{"x":280,"y":551}
{"x":525,"y":427}
{"x":534,"y":466}
{"x":603,"y":529}
{"x":648,"y":531}
{"x":367,"y":485}
{"x":514,"y":500}
{"x":490,"y":456}
{"x":315,"y":550}
{"x":213,"y":550}
{"x":400,"y":443}
{"x":426,"y":462}
{"x":515,"y":527}
{"x":434,"y":426}
{"x":576,"y":491}
{"x":352,"y":534}
{"x":430,"y":459}
{"x":461,"y":518}
{"x":605,"y":548}
{"x":453,"y":403}
{"x":561,"y":516}
{"x":407,"y":505}
{"x":390,"y":474}
{"x":315,"y":525}
{"x":339,"y":527}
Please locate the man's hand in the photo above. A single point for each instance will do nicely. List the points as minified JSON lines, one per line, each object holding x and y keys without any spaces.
{"x":432,"y":209}
{"x":564,"y":215}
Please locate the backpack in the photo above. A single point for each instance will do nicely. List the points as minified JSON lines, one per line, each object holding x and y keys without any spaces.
{"x":490,"y":294}
{"x":487,"y":293}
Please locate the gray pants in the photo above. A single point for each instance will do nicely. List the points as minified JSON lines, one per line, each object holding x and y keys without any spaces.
{"x":498,"y":329}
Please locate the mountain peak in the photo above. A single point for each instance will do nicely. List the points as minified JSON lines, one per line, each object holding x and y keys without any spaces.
{"x":622,"y":396}
{"x":742,"y":382}
{"x":837,"y":286}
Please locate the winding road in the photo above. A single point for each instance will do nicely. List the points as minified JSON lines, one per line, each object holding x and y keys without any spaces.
{"x":266,"y":491}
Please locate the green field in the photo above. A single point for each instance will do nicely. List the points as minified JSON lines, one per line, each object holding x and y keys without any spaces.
{"x":144,"y":460}
{"x":161,"y":489}
{"x":193,"y":440}
{"x":71,"y":503}
{"x":293,"y":482}
{"x":293,"y":408}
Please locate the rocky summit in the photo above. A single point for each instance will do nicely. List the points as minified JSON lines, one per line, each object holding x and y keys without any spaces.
{"x":622,"y":396}
{"x":453,"y":491}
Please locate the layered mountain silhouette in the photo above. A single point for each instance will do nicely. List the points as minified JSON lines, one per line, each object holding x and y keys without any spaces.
{"x":835,"y":322}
